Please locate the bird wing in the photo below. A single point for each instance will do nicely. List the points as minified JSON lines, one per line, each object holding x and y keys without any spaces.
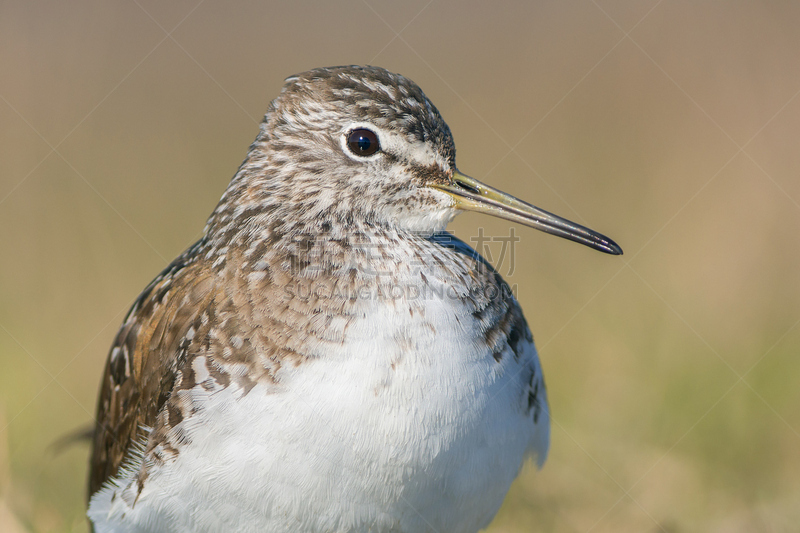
{"x":504,"y":326}
{"x":141,"y":368}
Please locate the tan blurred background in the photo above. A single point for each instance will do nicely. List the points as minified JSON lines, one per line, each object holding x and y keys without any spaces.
{"x":672,"y":126}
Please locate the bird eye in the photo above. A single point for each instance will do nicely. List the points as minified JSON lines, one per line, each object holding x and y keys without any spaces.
{"x":363,"y":142}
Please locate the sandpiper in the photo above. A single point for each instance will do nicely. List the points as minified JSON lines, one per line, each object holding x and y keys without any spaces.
{"x":326,"y":358}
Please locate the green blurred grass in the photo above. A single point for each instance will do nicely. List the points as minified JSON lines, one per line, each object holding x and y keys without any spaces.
{"x":637,"y":137}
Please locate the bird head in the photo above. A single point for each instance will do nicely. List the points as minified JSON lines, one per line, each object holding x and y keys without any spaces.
{"x":346,"y":145}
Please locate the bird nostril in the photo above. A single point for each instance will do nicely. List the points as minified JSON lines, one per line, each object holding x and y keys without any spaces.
{"x":470,"y":188}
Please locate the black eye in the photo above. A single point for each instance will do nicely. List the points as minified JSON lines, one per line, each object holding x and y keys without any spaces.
{"x":363,"y":142}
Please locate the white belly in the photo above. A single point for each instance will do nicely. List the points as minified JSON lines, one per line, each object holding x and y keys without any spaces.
{"x":411,"y":427}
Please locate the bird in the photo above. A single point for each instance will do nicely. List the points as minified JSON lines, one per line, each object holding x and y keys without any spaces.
{"x":327,"y":357}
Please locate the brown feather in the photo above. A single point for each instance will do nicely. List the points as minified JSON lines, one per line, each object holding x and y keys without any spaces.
{"x":143,"y":360}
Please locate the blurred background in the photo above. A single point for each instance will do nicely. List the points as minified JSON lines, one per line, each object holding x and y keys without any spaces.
{"x":672,"y":126}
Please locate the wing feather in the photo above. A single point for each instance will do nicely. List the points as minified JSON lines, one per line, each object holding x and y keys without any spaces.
{"x":143,"y":361}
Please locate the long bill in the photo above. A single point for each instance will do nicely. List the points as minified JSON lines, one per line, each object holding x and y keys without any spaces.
{"x":472,"y":195}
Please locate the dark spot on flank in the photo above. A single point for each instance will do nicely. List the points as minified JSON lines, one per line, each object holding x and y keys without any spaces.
{"x":163,"y":396}
{"x":514,"y":336}
{"x":174,"y":414}
{"x":117,"y":368}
